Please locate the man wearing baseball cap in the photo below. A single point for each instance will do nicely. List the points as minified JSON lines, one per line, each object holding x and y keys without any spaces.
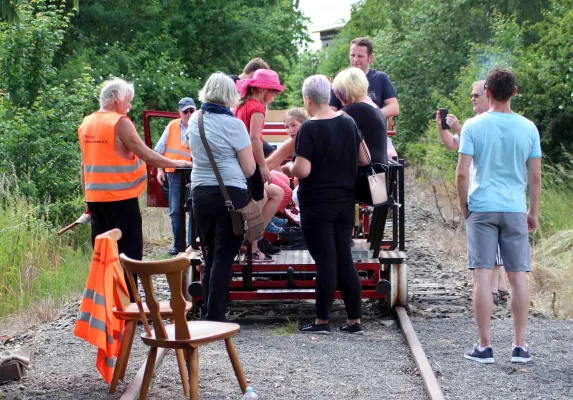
{"x":174,"y":144}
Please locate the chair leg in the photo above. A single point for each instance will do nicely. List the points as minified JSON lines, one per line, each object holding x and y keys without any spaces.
{"x":149,"y":368}
{"x":183,"y":370}
{"x":131,"y":337}
{"x":193,"y":368}
{"x":123,"y":356}
{"x":236,"y":364}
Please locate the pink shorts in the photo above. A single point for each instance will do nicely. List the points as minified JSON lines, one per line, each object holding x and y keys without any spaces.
{"x":283,"y":182}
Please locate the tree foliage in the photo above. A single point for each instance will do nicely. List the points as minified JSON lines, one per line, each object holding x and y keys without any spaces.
{"x":53,"y":60}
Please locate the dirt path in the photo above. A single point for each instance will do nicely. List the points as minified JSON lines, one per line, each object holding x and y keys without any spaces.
{"x":282,"y":364}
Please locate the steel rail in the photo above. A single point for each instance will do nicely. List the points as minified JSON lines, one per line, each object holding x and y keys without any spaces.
{"x":430,"y":382}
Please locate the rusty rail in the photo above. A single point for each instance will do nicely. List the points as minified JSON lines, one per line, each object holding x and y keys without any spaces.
{"x":430,"y":382}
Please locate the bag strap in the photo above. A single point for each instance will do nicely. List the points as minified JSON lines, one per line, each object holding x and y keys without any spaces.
{"x":228,"y":201}
{"x":366,"y":153}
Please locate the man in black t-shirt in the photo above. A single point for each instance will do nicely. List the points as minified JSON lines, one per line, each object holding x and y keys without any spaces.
{"x":380,"y":89}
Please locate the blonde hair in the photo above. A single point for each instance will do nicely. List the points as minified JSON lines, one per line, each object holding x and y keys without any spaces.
{"x":219,"y":89}
{"x":350,"y":84}
{"x":115,"y":89}
{"x":298,"y":114}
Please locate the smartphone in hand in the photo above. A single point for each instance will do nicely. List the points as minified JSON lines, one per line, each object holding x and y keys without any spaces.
{"x":443,"y":115}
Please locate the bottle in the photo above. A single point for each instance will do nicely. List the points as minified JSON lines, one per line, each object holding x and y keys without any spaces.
{"x":250,"y":394}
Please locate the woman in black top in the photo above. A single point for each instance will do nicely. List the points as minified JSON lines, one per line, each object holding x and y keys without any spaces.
{"x":327,"y":153}
{"x":351,"y":88}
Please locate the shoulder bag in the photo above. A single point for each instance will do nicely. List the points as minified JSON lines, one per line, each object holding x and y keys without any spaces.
{"x":371,"y":185}
{"x":247,"y":220}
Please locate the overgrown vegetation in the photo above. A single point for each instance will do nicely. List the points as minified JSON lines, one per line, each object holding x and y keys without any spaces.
{"x":433,"y":52}
{"x":36,"y":266}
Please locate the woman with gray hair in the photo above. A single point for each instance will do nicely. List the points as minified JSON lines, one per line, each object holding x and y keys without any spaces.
{"x":231,"y":147}
{"x":329,"y":147}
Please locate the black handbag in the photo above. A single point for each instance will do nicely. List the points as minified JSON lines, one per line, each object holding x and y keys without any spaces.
{"x":247,"y":220}
{"x":371,"y":184}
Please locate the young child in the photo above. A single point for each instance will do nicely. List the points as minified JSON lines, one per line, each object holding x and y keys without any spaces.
{"x":256,"y":93}
{"x":293,"y":120}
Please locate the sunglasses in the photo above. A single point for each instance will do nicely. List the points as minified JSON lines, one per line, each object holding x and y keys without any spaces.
{"x":188,"y":111}
{"x":476,"y":95}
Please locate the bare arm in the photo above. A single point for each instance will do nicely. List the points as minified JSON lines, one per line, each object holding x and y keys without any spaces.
{"x":363,"y":154}
{"x":463,"y":181}
{"x":300,"y":168}
{"x":83,"y":182}
{"x":447,"y":138}
{"x":125,"y":131}
{"x":281,"y":154}
{"x":257,"y":120}
{"x":534,"y":191}
{"x":247,"y":161}
{"x":390,"y":108}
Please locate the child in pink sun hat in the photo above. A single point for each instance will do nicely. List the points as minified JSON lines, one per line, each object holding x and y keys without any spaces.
{"x":256,"y":94}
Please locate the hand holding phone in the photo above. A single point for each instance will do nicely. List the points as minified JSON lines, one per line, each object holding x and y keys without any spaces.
{"x":443,"y":115}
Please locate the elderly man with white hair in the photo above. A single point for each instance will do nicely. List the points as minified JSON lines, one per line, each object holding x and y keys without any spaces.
{"x":113,"y":171}
{"x":328,"y":149}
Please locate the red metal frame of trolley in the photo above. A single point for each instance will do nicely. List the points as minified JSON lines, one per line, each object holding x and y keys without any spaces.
{"x":291,"y":275}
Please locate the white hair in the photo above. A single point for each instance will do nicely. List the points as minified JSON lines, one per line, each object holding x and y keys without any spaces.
{"x":220,"y":89}
{"x":317,"y":88}
{"x":115,"y":89}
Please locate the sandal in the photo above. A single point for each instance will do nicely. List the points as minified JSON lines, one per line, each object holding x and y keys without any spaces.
{"x":258,"y":260}
{"x":503,"y":295}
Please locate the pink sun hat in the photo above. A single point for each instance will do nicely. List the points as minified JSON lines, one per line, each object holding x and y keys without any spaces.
{"x":263,"y":78}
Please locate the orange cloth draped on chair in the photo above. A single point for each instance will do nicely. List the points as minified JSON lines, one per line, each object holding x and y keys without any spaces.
{"x":96,"y":323}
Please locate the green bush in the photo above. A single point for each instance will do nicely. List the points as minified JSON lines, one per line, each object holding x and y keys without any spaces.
{"x":36,"y":265}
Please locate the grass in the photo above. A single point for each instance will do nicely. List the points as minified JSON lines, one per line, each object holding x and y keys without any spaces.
{"x":552,"y":244}
{"x":38,"y":269}
{"x":287,"y":329}
{"x":552,"y":276}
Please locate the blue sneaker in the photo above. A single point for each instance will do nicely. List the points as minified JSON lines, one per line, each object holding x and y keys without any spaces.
{"x":272,"y":228}
{"x":279,"y":221}
{"x":482,"y":357}
{"x":520,"y":355}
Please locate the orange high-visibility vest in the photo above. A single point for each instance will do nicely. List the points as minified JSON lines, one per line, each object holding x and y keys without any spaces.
{"x":107,"y":176}
{"x":173,"y":149}
{"x":96,"y":323}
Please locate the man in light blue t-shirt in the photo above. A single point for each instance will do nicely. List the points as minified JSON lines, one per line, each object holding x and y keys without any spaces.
{"x":506,"y":154}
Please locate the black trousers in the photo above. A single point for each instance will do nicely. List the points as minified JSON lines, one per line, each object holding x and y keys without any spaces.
{"x":327,"y":230}
{"x":221,"y":245}
{"x":125,"y":216}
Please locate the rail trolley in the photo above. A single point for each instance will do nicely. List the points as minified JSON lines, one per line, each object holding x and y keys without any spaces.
{"x":379,"y":249}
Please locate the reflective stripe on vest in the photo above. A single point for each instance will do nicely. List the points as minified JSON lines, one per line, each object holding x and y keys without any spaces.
{"x":96,"y":322}
{"x":107,"y":175}
{"x":173,"y":149}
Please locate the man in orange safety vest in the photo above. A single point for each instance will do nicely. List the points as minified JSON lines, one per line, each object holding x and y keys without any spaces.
{"x":113,"y":171}
{"x":174,"y":144}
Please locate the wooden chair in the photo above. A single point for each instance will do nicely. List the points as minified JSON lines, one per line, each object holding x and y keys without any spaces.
{"x":129,"y":312}
{"x":181,"y":334}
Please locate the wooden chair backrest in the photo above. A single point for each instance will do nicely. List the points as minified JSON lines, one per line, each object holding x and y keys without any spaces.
{"x":122,"y":300}
{"x":173,"y":270}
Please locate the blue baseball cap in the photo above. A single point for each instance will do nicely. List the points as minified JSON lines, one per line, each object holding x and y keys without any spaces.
{"x":186,"y":103}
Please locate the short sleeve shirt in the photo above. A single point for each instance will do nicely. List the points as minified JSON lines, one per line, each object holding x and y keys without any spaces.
{"x":246,"y":111}
{"x":380,"y":88}
{"x":331,"y":146}
{"x":226,"y":136}
{"x":500,"y":144}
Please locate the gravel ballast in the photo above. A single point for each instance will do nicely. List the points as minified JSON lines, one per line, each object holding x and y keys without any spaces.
{"x":282,"y":364}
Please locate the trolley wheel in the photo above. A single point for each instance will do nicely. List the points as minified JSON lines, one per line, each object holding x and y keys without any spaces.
{"x":195,"y":289}
{"x":399,"y":282}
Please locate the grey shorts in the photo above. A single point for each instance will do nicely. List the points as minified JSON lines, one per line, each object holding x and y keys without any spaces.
{"x":488,"y":230}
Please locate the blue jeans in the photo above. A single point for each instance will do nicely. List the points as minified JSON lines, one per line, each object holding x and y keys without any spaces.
{"x":175,"y":209}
